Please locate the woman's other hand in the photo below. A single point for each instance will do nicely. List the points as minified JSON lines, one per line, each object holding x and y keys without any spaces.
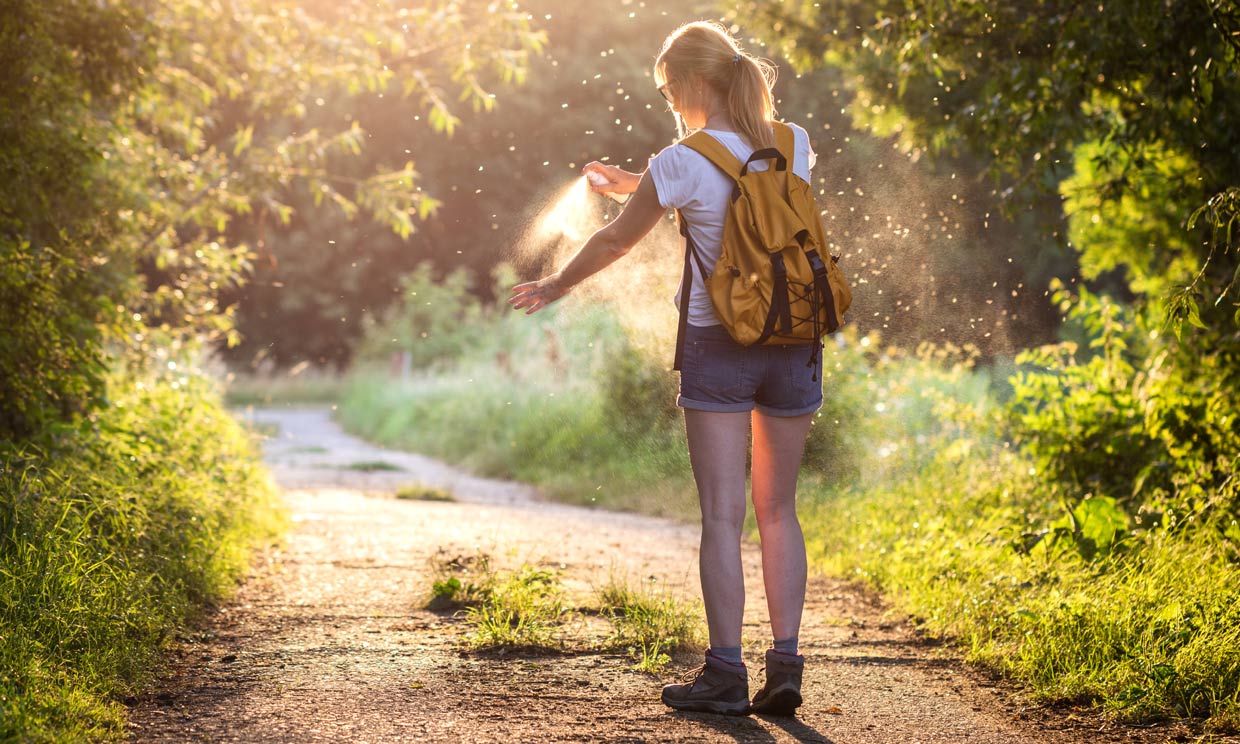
{"x":534,"y":296}
{"x":619,"y":181}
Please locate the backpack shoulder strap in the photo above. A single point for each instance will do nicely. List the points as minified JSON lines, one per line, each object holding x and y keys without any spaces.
{"x":714,"y":151}
{"x":785,"y":141}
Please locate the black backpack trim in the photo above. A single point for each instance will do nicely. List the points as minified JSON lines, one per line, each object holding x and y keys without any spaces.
{"x":686,"y":289}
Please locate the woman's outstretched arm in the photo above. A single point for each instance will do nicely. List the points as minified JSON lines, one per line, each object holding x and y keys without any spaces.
{"x":609,"y":243}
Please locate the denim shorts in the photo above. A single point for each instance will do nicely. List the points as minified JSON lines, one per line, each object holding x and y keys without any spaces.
{"x":718,"y":374}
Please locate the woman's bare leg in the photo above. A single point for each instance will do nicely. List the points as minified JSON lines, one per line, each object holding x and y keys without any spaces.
{"x":717,"y":446}
{"x":778,"y":443}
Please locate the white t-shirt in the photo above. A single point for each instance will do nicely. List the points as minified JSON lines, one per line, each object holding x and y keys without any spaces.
{"x":687,"y":181}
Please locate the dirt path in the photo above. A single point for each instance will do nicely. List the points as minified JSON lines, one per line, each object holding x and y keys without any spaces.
{"x":329,"y":640}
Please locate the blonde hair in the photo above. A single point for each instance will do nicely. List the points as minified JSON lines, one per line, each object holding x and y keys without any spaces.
{"x":704,"y":50}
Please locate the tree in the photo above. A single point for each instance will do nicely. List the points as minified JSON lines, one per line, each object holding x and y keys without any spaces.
{"x":1105,"y":102}
{"x":66,"y":67}
{"x":153,"y":125}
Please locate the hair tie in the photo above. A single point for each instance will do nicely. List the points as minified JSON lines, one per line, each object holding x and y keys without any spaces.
{"x":736,"y":59}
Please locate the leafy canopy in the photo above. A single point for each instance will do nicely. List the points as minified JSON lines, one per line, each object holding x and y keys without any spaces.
{"x":133,"y":134}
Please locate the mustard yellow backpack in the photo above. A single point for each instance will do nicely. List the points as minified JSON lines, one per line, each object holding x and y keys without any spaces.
{"x":775,"y":282}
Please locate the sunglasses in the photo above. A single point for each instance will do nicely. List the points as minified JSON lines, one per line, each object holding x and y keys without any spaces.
{"x":663,"y":92}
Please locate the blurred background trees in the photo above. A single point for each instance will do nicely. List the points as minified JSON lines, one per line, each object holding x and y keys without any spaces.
{"x":147,"y":146}
{"x":591,"y":96}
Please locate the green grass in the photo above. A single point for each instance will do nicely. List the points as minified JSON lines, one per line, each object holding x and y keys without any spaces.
{"x":459,"y":581}
{"x":373,"y":466}
{"x":301,"y":386}
{"x":423,"y":492}
{"x":524,"y":609}
{"x":520,"y":418}
{"x":527,"y":609}
{"x":112,"y":536}
{"x":1150,"y":631}
{"x":649,"y":625}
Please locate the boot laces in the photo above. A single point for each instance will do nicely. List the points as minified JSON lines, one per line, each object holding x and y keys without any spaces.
{"x":693,"y":675}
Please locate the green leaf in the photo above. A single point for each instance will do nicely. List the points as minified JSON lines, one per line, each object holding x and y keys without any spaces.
{"x":243,"y":139}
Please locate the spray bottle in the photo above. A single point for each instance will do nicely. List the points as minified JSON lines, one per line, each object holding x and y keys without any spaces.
{"x":598,"y":179}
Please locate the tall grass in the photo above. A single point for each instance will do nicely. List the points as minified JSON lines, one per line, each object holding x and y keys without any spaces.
{"x":112,"y":535}
{"x":562,"y":399}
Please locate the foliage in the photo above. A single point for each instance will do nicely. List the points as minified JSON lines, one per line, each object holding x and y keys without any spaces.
{"x":1122,"y":422}
{"x":1148,"y":90}
{"x":428,"y":325}
{"x":320,"y":280}
{"x":65,"y":66}
{"x":578,"y":101}
{"x":136,"y":133}
{"x":110,"y":538}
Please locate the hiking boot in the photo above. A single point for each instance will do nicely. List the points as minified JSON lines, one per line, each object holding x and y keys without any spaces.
{"x":715,"y":687}
{"x":781,"y":693}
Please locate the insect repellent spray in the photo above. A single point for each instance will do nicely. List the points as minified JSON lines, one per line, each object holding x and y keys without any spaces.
{"x":598,"y":179}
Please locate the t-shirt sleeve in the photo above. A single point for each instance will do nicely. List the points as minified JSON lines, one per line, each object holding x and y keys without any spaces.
{"x":674,"y":180}
{"x":804,"y":159}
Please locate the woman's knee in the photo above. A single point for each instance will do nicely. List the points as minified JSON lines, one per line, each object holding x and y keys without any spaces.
{"x":723,"y":522}
{"x":773,"y":511}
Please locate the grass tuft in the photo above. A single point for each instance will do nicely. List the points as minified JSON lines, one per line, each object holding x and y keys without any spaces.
{"x":648,"y":624}
{"x":459,"y":581}
{"x":524,"y":610}
{"x":373,"y":466}
{"x":423,"y":492}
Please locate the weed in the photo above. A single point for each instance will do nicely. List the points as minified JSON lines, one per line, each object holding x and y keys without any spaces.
{"x":422,"y":492}
{"x":524,"y":609}
{"x":648,"y":624}
{"x":459,"y":581}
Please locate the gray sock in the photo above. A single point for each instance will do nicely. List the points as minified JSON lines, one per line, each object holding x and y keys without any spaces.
{"x":787,"y":646}
{"x":730,"y":654}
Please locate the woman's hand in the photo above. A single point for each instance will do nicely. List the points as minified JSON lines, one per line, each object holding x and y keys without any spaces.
{"x":619,"y":181}
{"x":534,"y":296}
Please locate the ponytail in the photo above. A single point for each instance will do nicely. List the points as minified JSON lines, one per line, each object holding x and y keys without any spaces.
{"x":704,"y":50}
{"x":749,"y":99}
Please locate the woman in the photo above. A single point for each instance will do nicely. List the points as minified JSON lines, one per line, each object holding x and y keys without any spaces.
{"x":725,"y":389}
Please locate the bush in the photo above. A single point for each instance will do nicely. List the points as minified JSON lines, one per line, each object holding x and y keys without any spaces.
{"x":1120,"y":420}
{"x":111,"y":536}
